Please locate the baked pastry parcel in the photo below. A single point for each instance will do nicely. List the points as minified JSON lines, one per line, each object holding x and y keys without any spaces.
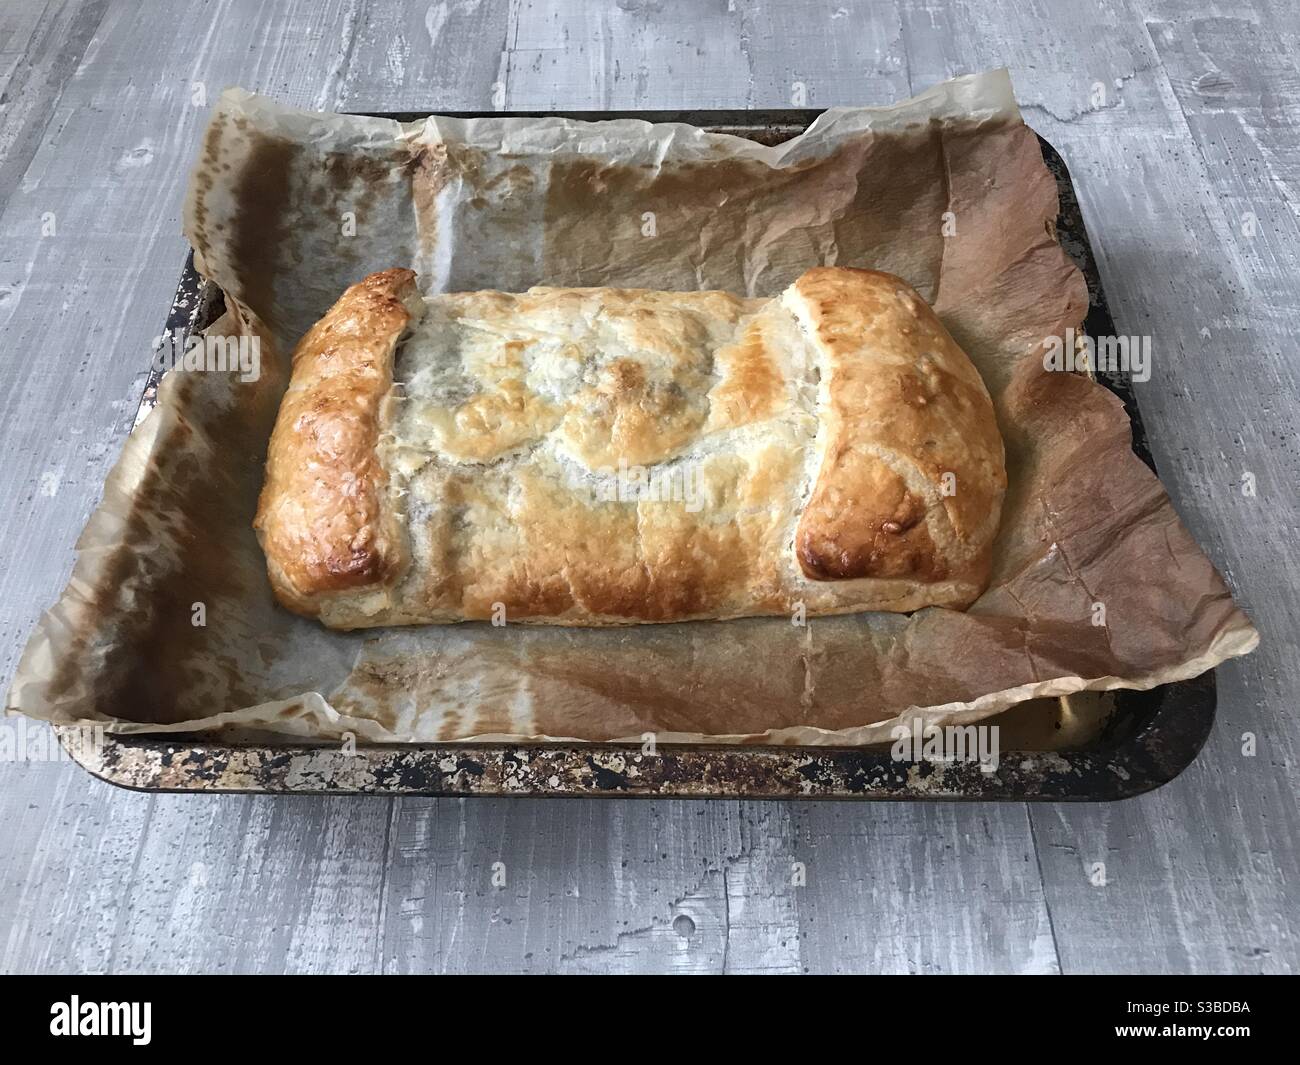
{"x":602,"y":456}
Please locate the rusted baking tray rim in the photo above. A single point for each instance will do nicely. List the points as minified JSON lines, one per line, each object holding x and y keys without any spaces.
{"x":1171,"y":733}
{"x":1151,"y":737}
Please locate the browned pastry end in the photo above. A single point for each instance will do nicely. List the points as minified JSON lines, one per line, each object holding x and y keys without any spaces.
{"x":903,"y":410}
{"x":323,"y":515}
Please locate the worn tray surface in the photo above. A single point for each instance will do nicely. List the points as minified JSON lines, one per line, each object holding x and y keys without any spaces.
{"x":1091,"y":747}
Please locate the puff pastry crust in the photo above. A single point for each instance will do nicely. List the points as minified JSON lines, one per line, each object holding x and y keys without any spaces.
{"x":607,"y":456}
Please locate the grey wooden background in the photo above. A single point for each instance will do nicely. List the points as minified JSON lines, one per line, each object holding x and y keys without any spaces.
{"x":1183,"y":133}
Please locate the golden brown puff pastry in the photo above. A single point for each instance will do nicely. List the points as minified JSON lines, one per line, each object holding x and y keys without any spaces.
{"x":611,"y":456}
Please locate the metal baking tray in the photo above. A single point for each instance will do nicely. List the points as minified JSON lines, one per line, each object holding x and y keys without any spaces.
{"x":1087,"y":747}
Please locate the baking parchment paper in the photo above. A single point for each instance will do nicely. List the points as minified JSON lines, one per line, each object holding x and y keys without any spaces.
{"x":948,"y":190}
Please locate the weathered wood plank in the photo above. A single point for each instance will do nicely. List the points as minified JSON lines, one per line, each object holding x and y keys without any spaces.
{"x":911,"y":888}
{"x":1069,"y":62}
{"x":255,"y":884}
{"x":685,"y":55}
{"x":447,"y":55}
{"x":567,"y":886}
{"x":764,"y":887}
{"x":40,"y":46}
{"x":67,"y":859}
